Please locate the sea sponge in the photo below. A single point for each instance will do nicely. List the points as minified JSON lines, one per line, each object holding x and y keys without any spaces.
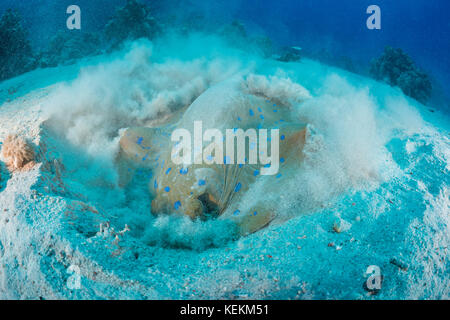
{"x":17,"y":152}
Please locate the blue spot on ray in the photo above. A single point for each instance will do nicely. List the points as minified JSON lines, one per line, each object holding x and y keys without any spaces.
{"x":238,"y":187}
{"x":177,"y":205}
{"x":167,"y":189}
{"x":201,"y":182}
{"x":251,"y":113}
{"x":168,"y":170}
{"x":184,"y":170}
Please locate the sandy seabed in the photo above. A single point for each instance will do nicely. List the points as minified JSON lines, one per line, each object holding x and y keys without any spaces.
{"x":377,"y":172}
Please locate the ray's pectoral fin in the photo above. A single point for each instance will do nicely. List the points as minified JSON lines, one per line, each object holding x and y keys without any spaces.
{"x":139,"y":148}
{"x":292,"y":141}
{"x":253,"y":220}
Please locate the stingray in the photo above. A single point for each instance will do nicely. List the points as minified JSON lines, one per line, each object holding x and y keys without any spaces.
{"x":236,"y":192}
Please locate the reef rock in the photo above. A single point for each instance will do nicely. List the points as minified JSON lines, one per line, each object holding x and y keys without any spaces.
{"x":289,"y":54}
{"x":398,"y":69}
{"x":15,"y":50}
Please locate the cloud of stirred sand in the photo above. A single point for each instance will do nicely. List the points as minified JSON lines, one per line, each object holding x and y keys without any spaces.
{"x":347,"y":126}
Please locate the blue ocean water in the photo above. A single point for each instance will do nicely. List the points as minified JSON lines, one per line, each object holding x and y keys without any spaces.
{"x":420,"y":27}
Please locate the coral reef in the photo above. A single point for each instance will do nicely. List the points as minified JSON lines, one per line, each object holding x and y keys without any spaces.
{"x":237,"y":36}
{"x":398,"y":69}
{"x":66,"y":47}
{"x":17,"y":152}
{"x":131,"y":22}
{"x":289,"y":54}
{"x":15,"y":50}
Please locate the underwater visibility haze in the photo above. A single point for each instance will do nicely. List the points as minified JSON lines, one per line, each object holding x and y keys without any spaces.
{"x":121,"y":175}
